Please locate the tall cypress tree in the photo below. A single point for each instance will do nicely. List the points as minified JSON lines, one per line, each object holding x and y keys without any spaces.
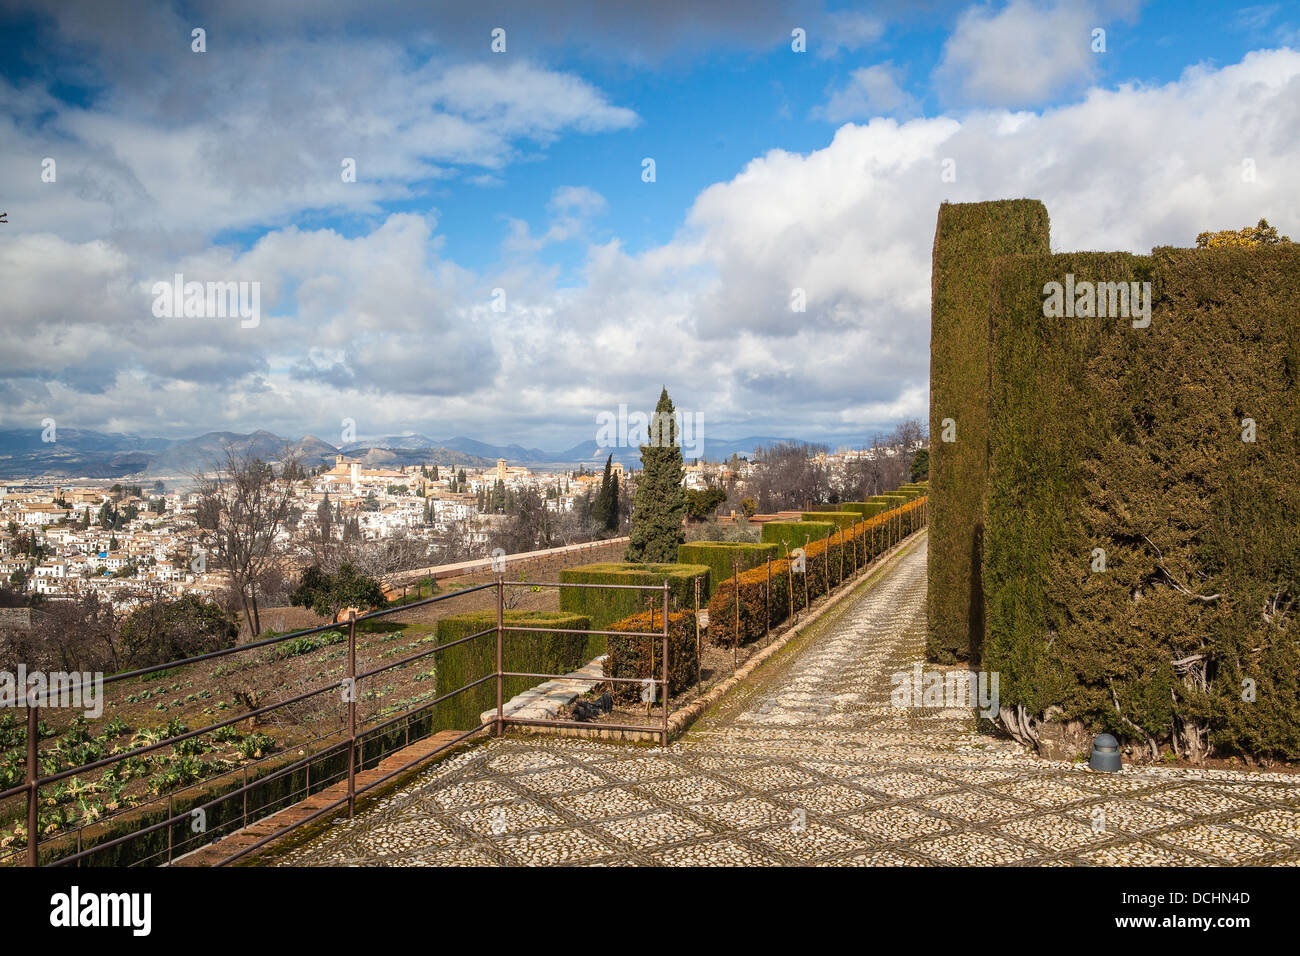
{"x":611,"y":519}
{"x":600,"y":510}
{"x":659,"y":505}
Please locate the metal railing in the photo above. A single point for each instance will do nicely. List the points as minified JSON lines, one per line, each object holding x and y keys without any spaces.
{"x":351,"y":738}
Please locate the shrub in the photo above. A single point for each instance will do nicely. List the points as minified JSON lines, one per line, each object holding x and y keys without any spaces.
{"x":842,"y":520}
{"x":641,"y":657}
{"x":606,"y":605}
{"x":822,"y":561}
{"x":795,"y":534}
{"x":864,"y":508}
{"x":968,"y":237}
{"x":718,"y":557}
{"x":753,"y":601}
{"x":539,"y":651}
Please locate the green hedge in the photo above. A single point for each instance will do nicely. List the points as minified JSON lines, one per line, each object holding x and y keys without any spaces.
{"x":795,"y":534}
{"x":606,"y":605}
{"x":968,"y":238}
{"x":864,"y":509}
{"x":841,"y":519}
{"x":539,"y":651}
{"x":719,"y":555}
{"x":1103,"y":436}
{"x":641,"y":657}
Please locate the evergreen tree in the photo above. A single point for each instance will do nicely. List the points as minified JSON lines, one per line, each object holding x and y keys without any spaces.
{"x":659,"y":507}
{"x":611,"y":520}
{"x":600,"y":511}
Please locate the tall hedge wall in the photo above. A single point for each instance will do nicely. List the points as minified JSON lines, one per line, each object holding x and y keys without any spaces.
{"x":968,"y":237}
{"x":541,"y":651}
{"x":795,"y":534}
{"x":606,"y":605}
{"x":719,"y":555}
{"x":1103,"y":436}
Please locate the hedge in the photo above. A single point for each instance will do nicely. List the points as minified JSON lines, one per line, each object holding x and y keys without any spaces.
{"x":540,"y":651}
{"x":1130,"y":440}
{"x":795,"y":534}
{"x":866,"y":541}
{"x":865,"y":508}
{"x":719,"y":555}
{"x":968,"y":237}
{"x":841,"y":519}
{"x":641,"y":657}
{"x":606,"y":605}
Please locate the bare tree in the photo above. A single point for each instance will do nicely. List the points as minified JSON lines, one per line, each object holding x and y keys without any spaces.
{"x":372,"y":557}
{"x":242,"y":509}
{"x":789,"y":476}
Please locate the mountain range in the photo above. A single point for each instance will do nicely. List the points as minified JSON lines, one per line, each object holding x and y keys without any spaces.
{"x":80,"y":453}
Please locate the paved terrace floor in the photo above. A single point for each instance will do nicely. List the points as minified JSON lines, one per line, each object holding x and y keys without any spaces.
{"x":810,"y":764}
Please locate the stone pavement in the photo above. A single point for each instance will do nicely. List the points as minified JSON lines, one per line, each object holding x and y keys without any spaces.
{"x":810,"y":764}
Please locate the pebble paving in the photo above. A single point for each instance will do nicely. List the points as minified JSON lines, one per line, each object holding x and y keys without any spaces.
{"x":811,"y":764}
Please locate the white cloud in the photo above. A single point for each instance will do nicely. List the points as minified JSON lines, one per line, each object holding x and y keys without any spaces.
{"x":571,"y":210}
{"x":845,"y":30}
{"x":134,"y":161}
{"x":1022,"y":54}
{"x":871,"y":91}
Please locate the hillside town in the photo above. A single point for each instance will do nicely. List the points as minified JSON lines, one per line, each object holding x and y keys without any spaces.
{"x":128,"y":542}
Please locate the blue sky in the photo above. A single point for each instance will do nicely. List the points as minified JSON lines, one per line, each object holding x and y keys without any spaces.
{"x":521,"y":172}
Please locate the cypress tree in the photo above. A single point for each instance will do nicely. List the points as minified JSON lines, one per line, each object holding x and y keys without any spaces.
{"x":611,"y":520}
{"x":601,"y":509}
{"x":659,"y":505}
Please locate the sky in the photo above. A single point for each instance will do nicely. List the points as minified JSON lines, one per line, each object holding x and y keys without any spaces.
{"x":505,"y":267}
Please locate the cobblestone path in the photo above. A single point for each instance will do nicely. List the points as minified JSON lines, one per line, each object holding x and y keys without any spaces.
{"x":810,"y":764}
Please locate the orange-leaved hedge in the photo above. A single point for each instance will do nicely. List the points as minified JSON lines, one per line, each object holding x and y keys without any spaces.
{"x":828,"y":562}
{"x":640,"y":657}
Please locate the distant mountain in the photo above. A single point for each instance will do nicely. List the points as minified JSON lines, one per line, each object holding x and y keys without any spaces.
{"x":390,"y":442}
{"x":79,"y":453}
{"x":207,"y":452}
{"x":74,"y":452}
{"x":512,"y":453}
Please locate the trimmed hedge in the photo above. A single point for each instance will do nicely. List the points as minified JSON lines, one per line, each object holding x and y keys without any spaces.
{"x":718,"y":557}
{"x":854,"y":549}
{"x":539,"y":651}
{"x":1130,"y":440}
{"x":606,"y":605}
{"x":795,"y":534}
{"x":641,"y":657}
{"x":865,"y":508}
{"x":968,"y":237}
{"x":842,"y":520}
